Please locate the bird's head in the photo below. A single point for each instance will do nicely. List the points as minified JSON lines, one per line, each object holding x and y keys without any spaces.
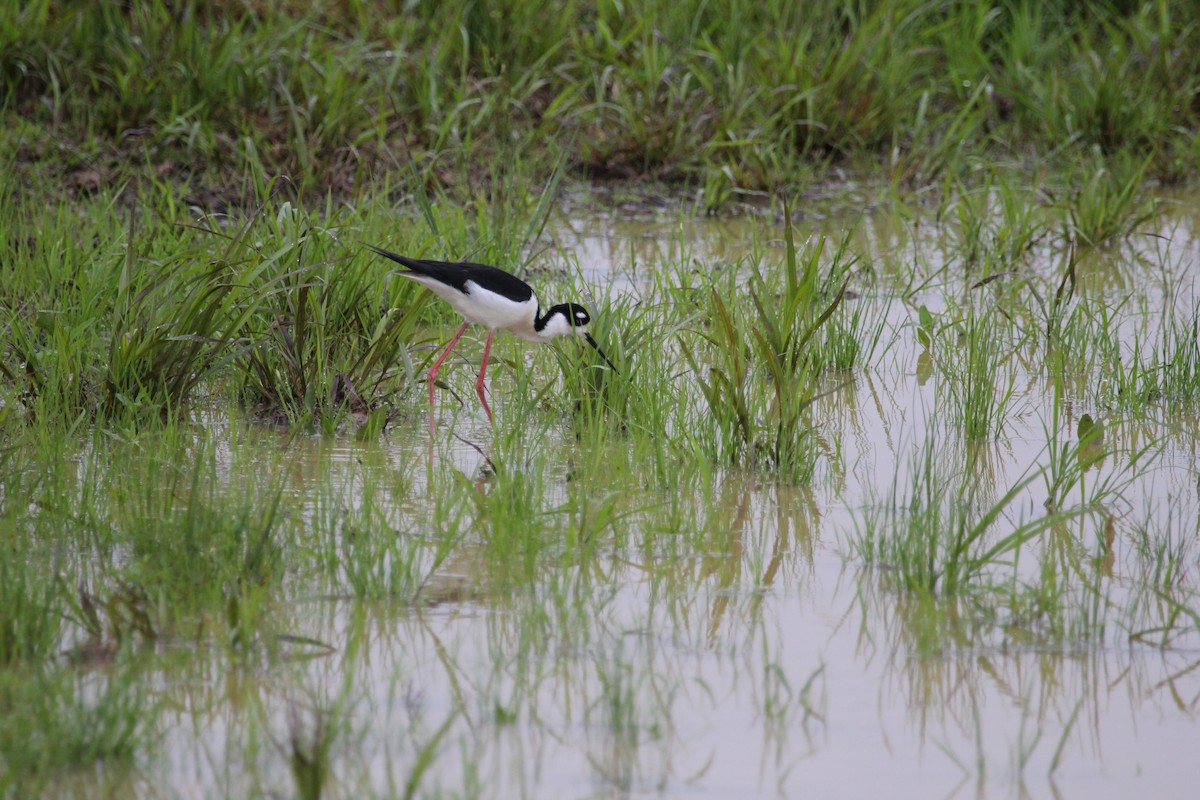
{"x":577,"y":317}
{"x":568,"y":319}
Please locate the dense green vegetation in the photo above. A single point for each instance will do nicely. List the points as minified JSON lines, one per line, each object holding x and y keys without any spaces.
{"x":728,"y":95}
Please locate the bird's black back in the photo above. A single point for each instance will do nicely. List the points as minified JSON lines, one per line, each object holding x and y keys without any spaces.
{"x":457,"y":273}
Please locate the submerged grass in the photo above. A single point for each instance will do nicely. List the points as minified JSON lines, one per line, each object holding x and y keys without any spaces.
{"x":61,"y":726}
{"x":30,"y":621}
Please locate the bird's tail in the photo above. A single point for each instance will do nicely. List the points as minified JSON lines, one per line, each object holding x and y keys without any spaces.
{"x":404,"y":261}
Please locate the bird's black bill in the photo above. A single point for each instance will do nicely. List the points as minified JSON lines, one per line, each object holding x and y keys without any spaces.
{"x":592,"y":342}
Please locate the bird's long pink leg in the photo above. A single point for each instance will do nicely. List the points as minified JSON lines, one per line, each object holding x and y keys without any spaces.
{"x":487,"y":349}
{"x":433,"y":371}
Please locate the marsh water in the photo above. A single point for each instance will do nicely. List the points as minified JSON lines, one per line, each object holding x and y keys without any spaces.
{"x":726,"y":637}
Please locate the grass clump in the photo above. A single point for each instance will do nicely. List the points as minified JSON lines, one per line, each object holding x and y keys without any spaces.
{"x":173,"y":327}
{"x":758,"y":380}
{"x":977,"y":375}
{"x":324,"y":337}
{"x":1168,"y":375}
{"x":935,"y":541}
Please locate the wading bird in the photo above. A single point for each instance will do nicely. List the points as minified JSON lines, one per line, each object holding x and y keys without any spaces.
{"x":497,"y":300}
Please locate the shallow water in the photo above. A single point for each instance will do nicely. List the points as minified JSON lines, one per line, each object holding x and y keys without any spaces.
{"x":767,"y":665}
{"x":740,"y":647}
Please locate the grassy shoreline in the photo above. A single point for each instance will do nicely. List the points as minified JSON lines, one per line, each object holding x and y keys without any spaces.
{"x":725,"y":95}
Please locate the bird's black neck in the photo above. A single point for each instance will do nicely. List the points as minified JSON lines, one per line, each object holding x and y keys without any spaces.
{"x":540,"y":320}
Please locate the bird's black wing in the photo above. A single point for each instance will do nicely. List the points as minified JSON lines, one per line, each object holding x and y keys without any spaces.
{"x":457,"y":273}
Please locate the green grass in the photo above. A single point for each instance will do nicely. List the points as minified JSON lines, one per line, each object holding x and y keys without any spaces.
{"x":731,"y":95}
{"x":975,"y":360}
{"x":30,"y":624}
{"x":61,"y":726}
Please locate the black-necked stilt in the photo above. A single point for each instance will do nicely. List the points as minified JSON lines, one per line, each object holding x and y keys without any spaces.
{"x":497,"y":300}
